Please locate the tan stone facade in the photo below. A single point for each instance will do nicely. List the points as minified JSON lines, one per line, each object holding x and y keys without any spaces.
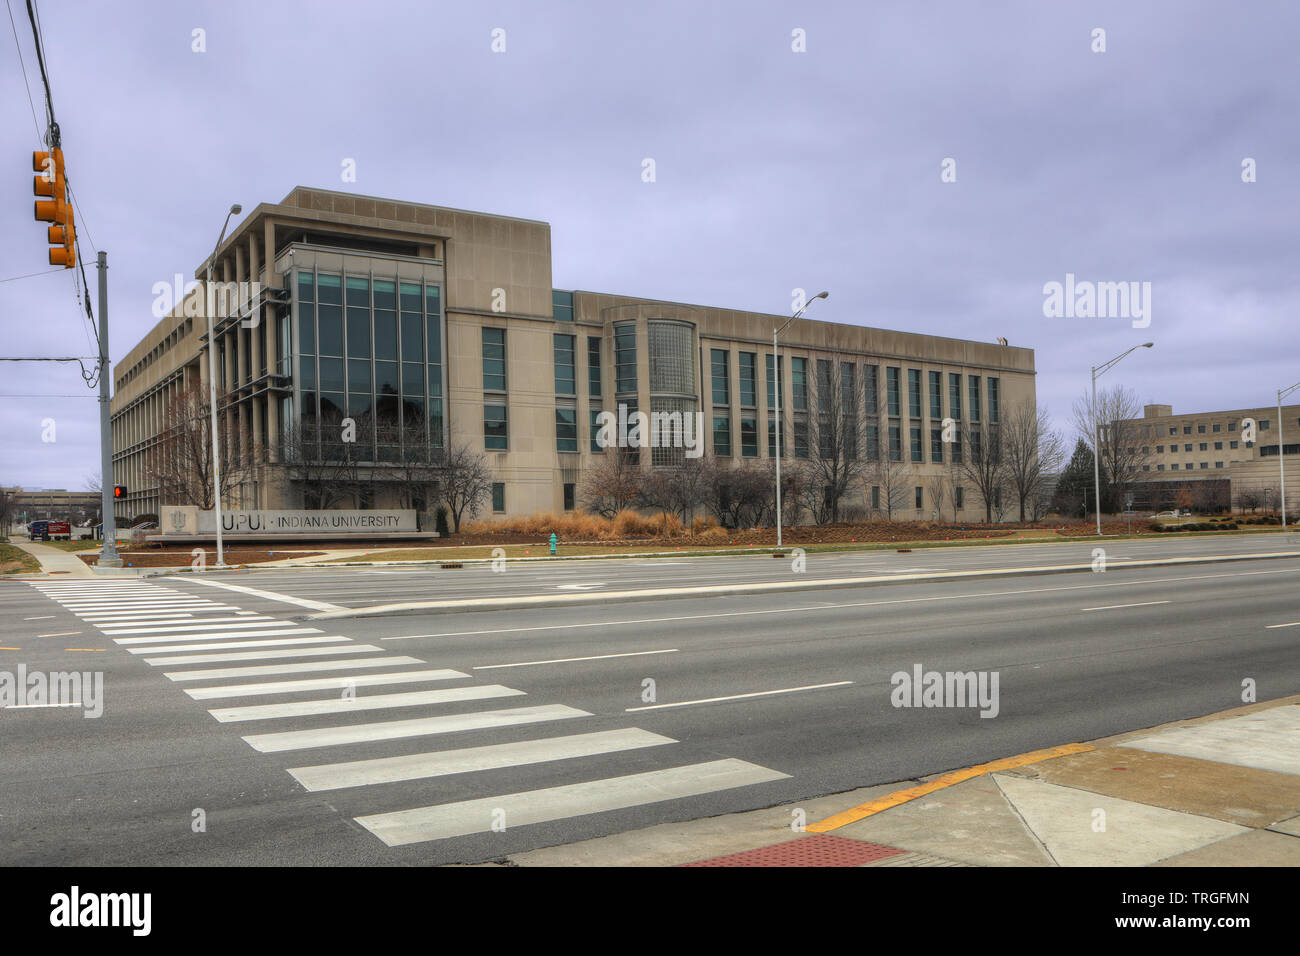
{"x":455,"y":288}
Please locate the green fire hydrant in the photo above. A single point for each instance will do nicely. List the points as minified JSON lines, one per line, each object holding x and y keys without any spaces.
{"x":554,"y":542}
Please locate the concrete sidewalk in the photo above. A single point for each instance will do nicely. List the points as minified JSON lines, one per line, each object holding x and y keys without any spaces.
{"x":54,"y":561}
{"x":1222,"y":790}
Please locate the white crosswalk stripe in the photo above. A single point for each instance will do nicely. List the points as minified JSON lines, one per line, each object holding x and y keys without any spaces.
{"x":255,"y":655}
{"x":321,"y":683}
{"x":361,"y":773}
{"x":261,"y":642}
{"x":417,"y":727}
{"x":555,"y":803}
{"x":163,"y":626}
{"x":345,"y":705}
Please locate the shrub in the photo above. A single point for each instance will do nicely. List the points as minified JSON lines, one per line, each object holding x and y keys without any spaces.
{"x":714,"y":535}
{"x":705,"y":523}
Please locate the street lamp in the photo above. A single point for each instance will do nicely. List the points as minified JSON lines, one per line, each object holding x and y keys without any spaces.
{"x":235,"y":210}
{"x":1097,"y":373}
{"x":776,"y":390}
{"x":1281,"y":447}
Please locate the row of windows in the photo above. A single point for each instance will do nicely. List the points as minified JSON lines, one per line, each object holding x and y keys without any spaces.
{"x":918,"y":497}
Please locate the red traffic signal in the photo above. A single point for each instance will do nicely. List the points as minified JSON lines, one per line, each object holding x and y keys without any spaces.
{"x":119,"y":491}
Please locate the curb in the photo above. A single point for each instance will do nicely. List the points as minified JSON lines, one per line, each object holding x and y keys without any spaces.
{"x":529,"y":602}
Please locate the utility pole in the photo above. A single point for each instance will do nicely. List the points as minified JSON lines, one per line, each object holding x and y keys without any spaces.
{"x":108,"y":557}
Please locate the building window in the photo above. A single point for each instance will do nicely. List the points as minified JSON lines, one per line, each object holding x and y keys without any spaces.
{"x":1160,"y":449}
{"x":1264,"y":424}
{"x":995,"y":400}
{"x":1218,"y":446}
{"x":595,"y":431}
{"x":959,"y":497}
{"x":875,"y":497}
{"x":913,"y":393}
{"x":873,"y":443}
{"x":936,"y":445}
{"x":920,"y":497}
{"x":936,"y":395}
{"x":566,"y":429}
{"x":625,"y":359}
{"x":562,"y":305}
{"x":1232,"y":426}
{"x":673,"y":358}
{"x":1173,"y":430}
{"x":1200,"y":429}
{"x":718,"y":374}
{"x":1174,"y":466}
{"x":1205,"y":465}
{"x":954,"y":395}
{"x":1160,"y":467}
{"x":1232,"y":444}
{"x":569,"y":495}
{"x":772,"y":383}
{"x":566,"y":379}
{"x":916,"y":443}
{"x":721,"y":433}
{"x":799,"y":384}
{"x":749,"y":437}
{"x":498,"y":496}
{"x":1218,"y":427}
{"x":494,"y":360}
{"x":593,"y":366}
{"x":801,"y":438}
{"x":494,"y":427}
{"x":748,"y":388}
{"x":895,"y":443}
{"x":870,"y":388}
{"x":1187,"y":446}
{"x":1187,"y":429}
{"x":1218,"y":464}
{"x":1205,"y":446}
{"x":974,"y":390}
{"x":891,"y":391}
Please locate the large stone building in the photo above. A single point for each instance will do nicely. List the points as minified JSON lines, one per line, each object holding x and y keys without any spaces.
{"x":445,"y":324}
{"x":1208,"y":447}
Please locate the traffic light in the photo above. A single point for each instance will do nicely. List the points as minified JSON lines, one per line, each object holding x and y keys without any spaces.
{"x":119,"y":491}
{"x":54,"y":207}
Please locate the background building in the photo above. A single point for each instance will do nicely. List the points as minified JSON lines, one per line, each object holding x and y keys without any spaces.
{"x":1207,"y":447}
{"x":436,"y":328}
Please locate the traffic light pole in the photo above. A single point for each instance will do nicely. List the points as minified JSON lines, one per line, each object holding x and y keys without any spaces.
{"x":108,"y":557}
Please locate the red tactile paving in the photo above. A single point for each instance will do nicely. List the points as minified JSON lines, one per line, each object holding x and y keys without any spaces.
{"x":818,"y":849}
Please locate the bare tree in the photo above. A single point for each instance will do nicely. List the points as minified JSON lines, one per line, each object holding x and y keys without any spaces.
{"x":937,"y":487}
{"x":613,"y":483}
{"x":1114,"y":423}
{"x":181,"y":462}
{"x":1031,"y":450}
{"x":892,"y":475}
{"x":680,"y":488}
{"x":6,"y":510}
{"x":466,"y":482}
{"x":983,"y":464}
{"x":837,"y":439}
{"x":416,"y":478}
{"x":323,"y":459}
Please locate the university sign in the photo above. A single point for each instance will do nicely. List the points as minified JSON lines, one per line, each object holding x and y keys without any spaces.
{"x":188,"y":520}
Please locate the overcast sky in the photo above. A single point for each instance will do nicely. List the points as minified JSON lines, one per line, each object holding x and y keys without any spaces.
{"x":774,"y":169}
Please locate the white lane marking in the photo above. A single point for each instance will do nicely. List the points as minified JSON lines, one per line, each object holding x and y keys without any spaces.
{"x":256,"y":655}
{"x":46,"y":617}
{"x":268,"y":595}
{"x":233,"y":644}
{"x":570,"y":660}
{"x":60,"y":634}
{"x":234,"y":624}
{"x":1292,"y":624}
{"x":818,"y":607}
{"x":1116,"y":607}
{"x":363,"y":773}
{"x":322,"y":683}
{"x":579,"y":587}
{"x":557,"y":803}
{"x":346,"y":705}
{"x":419,"y":727}
{"x":258,"y":670}
{"x":223,"y":636}
{"x":761,"y":693}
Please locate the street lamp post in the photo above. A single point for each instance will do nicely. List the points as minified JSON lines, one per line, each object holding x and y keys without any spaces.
{"x":1097,"y":373}
{"x":776,"y":390}
{"x":1281,"y":448}
{"x":208,"y":300}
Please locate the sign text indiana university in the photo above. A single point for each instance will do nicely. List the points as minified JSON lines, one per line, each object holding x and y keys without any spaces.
{"x":187,"y":519}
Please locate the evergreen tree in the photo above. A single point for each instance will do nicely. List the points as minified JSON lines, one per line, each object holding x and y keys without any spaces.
{"x":1075,"y":486}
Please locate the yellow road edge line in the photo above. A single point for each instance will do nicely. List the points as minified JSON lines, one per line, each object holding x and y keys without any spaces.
{"x":899,"y":797}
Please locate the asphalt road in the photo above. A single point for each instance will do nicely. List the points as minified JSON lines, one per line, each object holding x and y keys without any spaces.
{"x":360,"y":586}
{"x":1078,"y":656}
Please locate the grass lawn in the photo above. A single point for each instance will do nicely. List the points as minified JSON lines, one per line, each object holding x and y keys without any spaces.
{"x":15,"y":560}
{"x":82,"y":544}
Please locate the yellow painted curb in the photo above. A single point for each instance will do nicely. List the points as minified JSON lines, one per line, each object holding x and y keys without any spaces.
{"x":939,"y":783}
